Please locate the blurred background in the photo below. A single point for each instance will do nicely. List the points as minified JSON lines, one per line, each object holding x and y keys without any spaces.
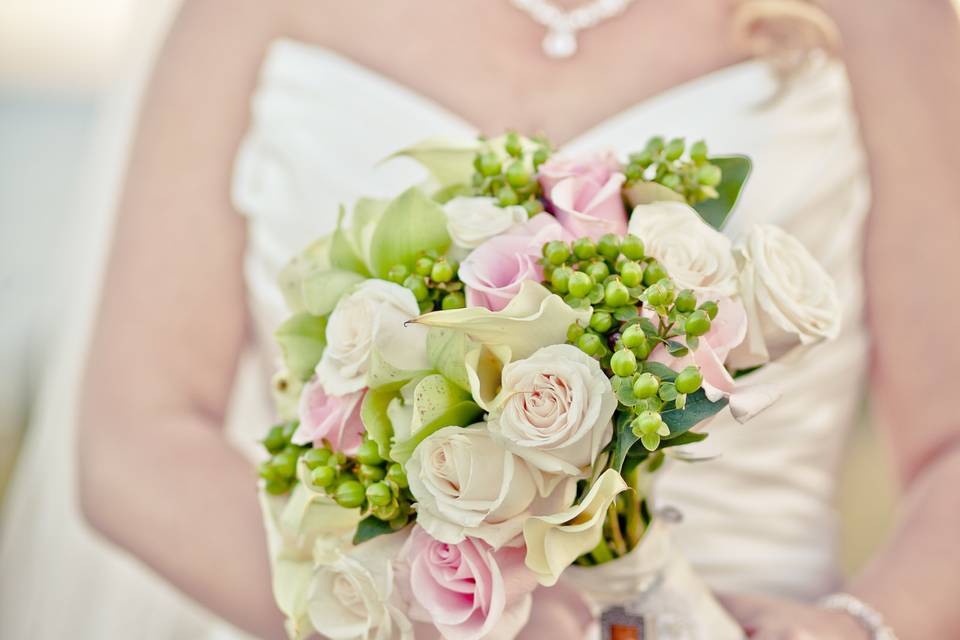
{"x":69,"y":78}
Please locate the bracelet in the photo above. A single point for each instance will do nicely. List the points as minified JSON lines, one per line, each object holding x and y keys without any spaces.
{"x":865,"y":615}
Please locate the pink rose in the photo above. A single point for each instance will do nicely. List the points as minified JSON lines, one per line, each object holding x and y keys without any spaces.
{"x":466,"y":590}
{"x":335,"y":419}
{"x":585,"y":194}
{"x":727,"y":331}
{"x":494,"y":271}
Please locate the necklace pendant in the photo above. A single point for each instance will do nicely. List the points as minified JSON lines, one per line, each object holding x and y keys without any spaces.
{"x":559,"y":43}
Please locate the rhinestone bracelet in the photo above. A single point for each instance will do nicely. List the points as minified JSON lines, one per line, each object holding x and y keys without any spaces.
{"x":865,"y":615}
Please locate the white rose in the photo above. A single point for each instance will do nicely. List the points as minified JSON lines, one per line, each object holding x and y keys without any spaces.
{"x":790,"y":299}
{"x":696,"y":255}
{"x":370,"y":318}
{"x":352,"y":597}
{"x":555,"y":412}
{"x":472,"y":221}
{"x":467,"y":484}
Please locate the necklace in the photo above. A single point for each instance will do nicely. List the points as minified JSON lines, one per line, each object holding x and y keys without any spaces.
{"x":562,"y":26}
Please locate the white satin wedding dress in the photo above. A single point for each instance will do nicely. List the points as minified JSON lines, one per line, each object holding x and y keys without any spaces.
{"x":758,"y":518}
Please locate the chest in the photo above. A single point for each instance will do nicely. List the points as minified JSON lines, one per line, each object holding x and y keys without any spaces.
{"x":482,"y":59}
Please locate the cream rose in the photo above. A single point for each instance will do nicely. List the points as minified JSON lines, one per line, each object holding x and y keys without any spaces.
{"x":467,"y":484}
{"x":695,"y":255}
{"x":790,"y":299}
{"x":352,"y":596}
{"x":473,"y":221}
{"x":372,"y":317}
{"x":555,"y":412}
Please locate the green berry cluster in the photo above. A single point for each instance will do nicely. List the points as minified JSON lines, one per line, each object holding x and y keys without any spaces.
{"x":694,"y":176}
{"x":365,"y":480}
{"x":615,"y":277}
{"x":511,"y":180}
{"x":433,"y":282}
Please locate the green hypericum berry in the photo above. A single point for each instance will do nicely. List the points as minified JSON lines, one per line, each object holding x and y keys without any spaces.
{"x":686,"y":301}
{"x":657,"y":295}
{"x":688,"y":380}
{"x":442,"y":271}
{"x":574,"y":331}
{"x":631,"y":273}
{"x":379,"y":494}
{"x":609,"y":246}
{"x":710,"y":308}
{"x":371,"y":473}
{"x":590,"y":344}
{"x":616,"y":294}
{"x":517,"y":175}
{"x":423,"y":266}
{"x":645,"y":386}
{"x":288,"y":430}
{"x":539,"y":157}
{"x":266,"y":471}
{"x":398,"y":273}
{"x":580,"y":284}
{"x":350,"y":494}
{"x":556,"y":252}
{"x":285,"y":464}
{"x":698,"y":151}
{"x":654,"y":146}
{"x":323,"y":476}
{"x":644,"y":158}
{"x":507,"y":197}
{"x":633,"y":336}
{"x":368,"y":453}
{"x":397,"y":475}
{"x":697,"y":324}
{"x":584,"y":248}
{"x":654,"y":273}
{"x":489,"y":164}
{"x":601,"y":321}
{"x":453,"y":300}
{"x":316,"y":457}
{"x":399,"y":522}
{"x":671,"y":181}
{"x":386,"y":512}
{"x":643,"y":349}
{"x":632,"y":247}
{"x":336,"y":460}
{"x":275,"y":440}
{"x":623,"y":363}
{"x":277,"y":487}
{"x":646,"y":423}
{"x":512,"y":145}
{"x":598,"y":270}
{"x":560,"y":279}
{"x":533,"y":207}
{"x":709,"y":175}
{"x":674,"y":149}
{"x":417,"y":286}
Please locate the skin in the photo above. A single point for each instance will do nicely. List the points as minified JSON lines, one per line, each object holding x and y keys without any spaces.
{"x":157,"y":476}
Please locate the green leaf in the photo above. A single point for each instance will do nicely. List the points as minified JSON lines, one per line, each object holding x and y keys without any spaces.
{"x":373,"y":414}
{"x":447,"y":351}
{"x":411,"y":224}
{"x":647,"y":325}
{"x":698,"y":409}
{"x":461,"y":414}
{"x":677,"y":349}
{"x":343,"y":255}
{"x":322,"y":290}
{"x":667,"y":392}
{"x":369,"y":528}
{"x":449,"y":160}
{"x":736,"y":171}
{"x":623,"y":389}
{"x":623,"y":441}
{"x":302,"y":339}
{"x":662,"y":371}
{"x":623,"y":314}
{"x":687,"y":437}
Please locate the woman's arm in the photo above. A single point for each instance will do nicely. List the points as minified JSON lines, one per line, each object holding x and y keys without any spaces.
{"x":904,"y":65}
{"x":156,"y":473}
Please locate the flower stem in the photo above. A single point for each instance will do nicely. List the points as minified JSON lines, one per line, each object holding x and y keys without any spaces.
{"x":601,"y":553}
{"x":634,"y":523}
{"x":616,"y":535}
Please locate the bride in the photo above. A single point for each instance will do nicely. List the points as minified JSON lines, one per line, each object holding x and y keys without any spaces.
{"x":180,"y":357}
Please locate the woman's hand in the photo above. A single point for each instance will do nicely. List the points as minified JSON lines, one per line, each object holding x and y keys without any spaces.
{"x":764,"y":618}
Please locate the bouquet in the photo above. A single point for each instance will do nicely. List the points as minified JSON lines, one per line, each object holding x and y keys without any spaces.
{"x":482,"y":376}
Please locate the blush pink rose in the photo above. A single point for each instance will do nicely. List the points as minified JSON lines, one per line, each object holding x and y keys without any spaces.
{"x":467,"y":590}
{"x":494,"y":271}
{"x":584,"y":193}
{"x":334,"y":419}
